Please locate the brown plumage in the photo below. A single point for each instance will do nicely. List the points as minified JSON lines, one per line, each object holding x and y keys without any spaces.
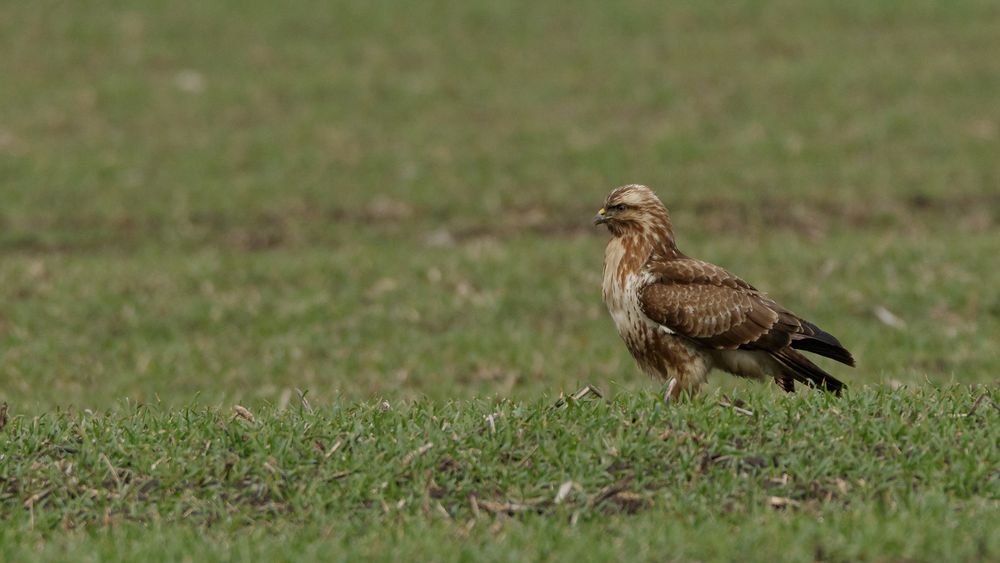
{"x":681,"y":317}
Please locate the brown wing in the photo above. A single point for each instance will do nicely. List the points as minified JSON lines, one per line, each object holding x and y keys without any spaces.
{"x":713,"y":307}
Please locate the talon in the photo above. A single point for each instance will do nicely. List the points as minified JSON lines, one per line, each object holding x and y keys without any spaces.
{"x":669,"y":394}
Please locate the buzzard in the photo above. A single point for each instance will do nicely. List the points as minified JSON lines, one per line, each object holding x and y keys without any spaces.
{"x":681,"y":317}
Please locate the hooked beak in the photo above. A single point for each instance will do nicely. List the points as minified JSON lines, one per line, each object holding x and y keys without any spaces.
{"x":601,"y":217}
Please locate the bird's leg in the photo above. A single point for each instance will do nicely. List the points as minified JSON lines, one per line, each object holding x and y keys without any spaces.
{"x":672,"y":391}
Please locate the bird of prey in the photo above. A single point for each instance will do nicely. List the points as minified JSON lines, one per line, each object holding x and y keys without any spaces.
{"x":681,"y":317}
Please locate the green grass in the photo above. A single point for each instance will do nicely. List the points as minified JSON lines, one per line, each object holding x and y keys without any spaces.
{"x":212,"y":203}
{"x":909,"y":473}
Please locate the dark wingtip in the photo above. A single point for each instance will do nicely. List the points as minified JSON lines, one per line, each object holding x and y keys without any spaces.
{"x":825,"y":345}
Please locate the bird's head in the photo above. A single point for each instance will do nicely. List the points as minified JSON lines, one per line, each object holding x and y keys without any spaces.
{"x":634,"y":209}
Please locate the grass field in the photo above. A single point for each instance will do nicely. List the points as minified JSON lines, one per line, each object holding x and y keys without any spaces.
{"x":217,"y":203}
{"x":908,"y":475}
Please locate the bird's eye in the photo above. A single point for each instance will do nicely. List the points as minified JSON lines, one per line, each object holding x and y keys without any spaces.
{"x":619,"y":207}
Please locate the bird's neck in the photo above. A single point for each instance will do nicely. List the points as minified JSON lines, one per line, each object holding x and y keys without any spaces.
{"x":644,"y":241}
{"x":627,"y":253}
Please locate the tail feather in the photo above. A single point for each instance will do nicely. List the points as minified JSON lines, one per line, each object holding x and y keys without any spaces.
{"x":799,"y":368}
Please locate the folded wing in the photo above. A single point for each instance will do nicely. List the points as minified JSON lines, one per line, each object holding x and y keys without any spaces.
{"x":718,"y":310}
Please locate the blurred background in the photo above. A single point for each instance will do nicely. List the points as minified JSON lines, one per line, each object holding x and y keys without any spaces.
{"x":212,"y":200}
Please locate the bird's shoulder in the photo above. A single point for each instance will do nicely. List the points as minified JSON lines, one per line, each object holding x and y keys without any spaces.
{"x":682,"y":270}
